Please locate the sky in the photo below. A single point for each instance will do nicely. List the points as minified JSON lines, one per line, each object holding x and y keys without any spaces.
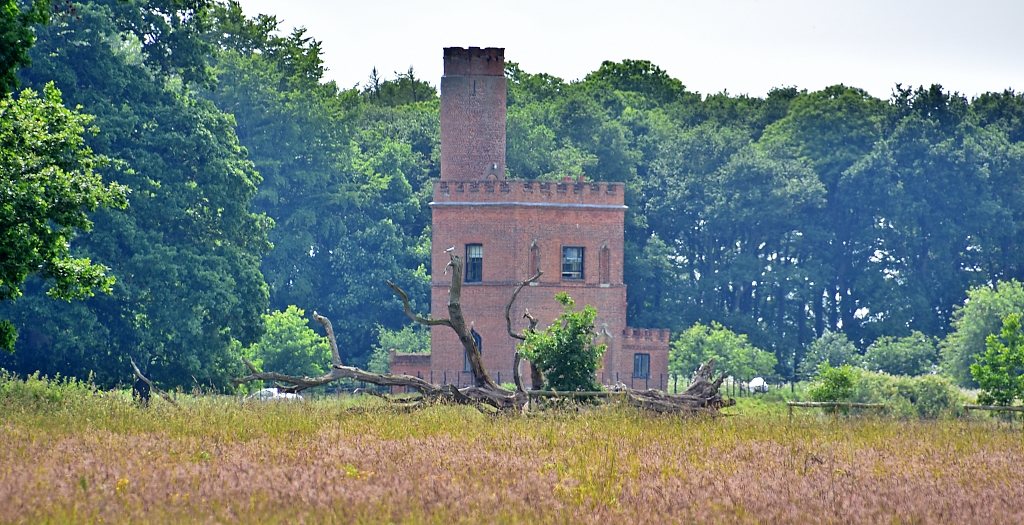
{"x":742,"y":46}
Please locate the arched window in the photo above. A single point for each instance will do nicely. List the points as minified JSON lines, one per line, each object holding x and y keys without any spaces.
{"x":605,"y":262}
{"x":534,"y":258}
{"x":479,"y":346}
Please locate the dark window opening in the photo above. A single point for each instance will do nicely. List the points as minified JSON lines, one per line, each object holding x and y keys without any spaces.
{"x":474,"y":263}
{"x":534,"y":258}
{"x":605,"y":264}
{"x":572,"y":262}
{"x":641,"y":366}
{"x":479,"y":347}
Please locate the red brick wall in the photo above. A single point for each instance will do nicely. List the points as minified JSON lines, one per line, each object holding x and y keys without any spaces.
{"x":409,"y":364}
{"x":474,"y":204}
{"x":473,"y":93}
{"x":643,"y":341}
{"x":507,"y":218}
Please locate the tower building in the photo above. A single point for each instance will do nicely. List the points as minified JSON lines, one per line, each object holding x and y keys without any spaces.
{"x":506,"y":230}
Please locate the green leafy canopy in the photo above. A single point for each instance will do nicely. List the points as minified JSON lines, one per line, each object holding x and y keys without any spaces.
{"x":731,"y":352}
{"x":1000,"y":368}
{"x":565,"y":351}
{"x":48,"y":185}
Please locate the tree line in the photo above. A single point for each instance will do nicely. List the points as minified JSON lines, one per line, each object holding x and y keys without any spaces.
{"x":252,"y":185}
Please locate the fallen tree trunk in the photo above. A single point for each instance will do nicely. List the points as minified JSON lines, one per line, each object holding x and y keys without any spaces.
{"x":701,"y":396}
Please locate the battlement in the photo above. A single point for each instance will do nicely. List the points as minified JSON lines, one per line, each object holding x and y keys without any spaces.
{"x":530,"y":192}
{"x":645,"y":336}
{"x":474,"y":61}
{"x":403,"y":360}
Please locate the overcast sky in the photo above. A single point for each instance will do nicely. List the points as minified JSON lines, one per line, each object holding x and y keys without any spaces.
{"x":744,"y":46}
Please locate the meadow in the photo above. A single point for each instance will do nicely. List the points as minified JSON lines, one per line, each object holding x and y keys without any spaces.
{"x":70,"y":454}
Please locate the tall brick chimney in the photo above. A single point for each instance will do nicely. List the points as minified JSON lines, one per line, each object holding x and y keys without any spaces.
{"x":473,"y":93}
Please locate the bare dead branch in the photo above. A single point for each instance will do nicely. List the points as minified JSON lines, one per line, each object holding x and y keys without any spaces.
{"x":340,"y":372}
{"x":152,"y":387}
{"x":517,"y":374}
{"x":250,"y":366}
{"x":335,"y":355}
{"x":508,"y":308}
{"x":458,"y":323}
{"x":413,"y":316}
{"x":701,"y":396}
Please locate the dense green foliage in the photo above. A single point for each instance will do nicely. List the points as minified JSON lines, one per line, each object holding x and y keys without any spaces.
{"x":290,"y":346}
{"x":833,"y":383}
{"x":16,"y":37}
{"x":732,"y":353}
{"x":565,"y":352}
{"x":926,"y":396}
{"x":186,"y":251}
{"x":974,"y":321}
{"x":48,"y":186}
{"x":344,"y":177}
{"x":1000,"y":368}
{"x":798,"y":219}
{"x":832,"y":349}
{"x":910,"y":356}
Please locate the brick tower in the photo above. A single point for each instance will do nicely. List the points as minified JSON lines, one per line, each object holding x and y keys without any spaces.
{"x":473,"y":94}
{"x":507,"y":229}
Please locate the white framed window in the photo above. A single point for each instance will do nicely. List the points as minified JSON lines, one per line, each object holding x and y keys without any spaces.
{"x":572,"y":262}
{"x":474,"y":263}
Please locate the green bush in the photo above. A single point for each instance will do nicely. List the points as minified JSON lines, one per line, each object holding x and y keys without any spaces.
{"x":732,"y":353}
{"x":833,"y":349}
{"x":43,"y":391}
{"x":833,"y":384}
{"x":565,"y":351}
{"x":979,"y":317}
{"x":913,"y":355}
{"x":926,"y":396}
{"x":290,"y":346}
{"x":999,"y":369}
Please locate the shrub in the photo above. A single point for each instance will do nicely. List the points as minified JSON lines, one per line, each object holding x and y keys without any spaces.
{"x":833,"y":349}
{"x":927,"y":396}
{"x":565,"y":351}
{"x":731,"y":352}
{"x":913,"y":355}
{"x":290,"y":346}
{"x":42,"y":391}
{"x":998,"y":370}
{"x":833,"y":384}
{"x":979,"y":317}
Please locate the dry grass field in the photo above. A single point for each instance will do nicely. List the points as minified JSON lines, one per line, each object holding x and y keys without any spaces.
{"x":89,"y":458}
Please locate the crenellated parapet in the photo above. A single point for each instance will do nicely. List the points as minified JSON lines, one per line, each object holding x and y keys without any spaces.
{"x":530,"y":191}
{"x":645,"y":337}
